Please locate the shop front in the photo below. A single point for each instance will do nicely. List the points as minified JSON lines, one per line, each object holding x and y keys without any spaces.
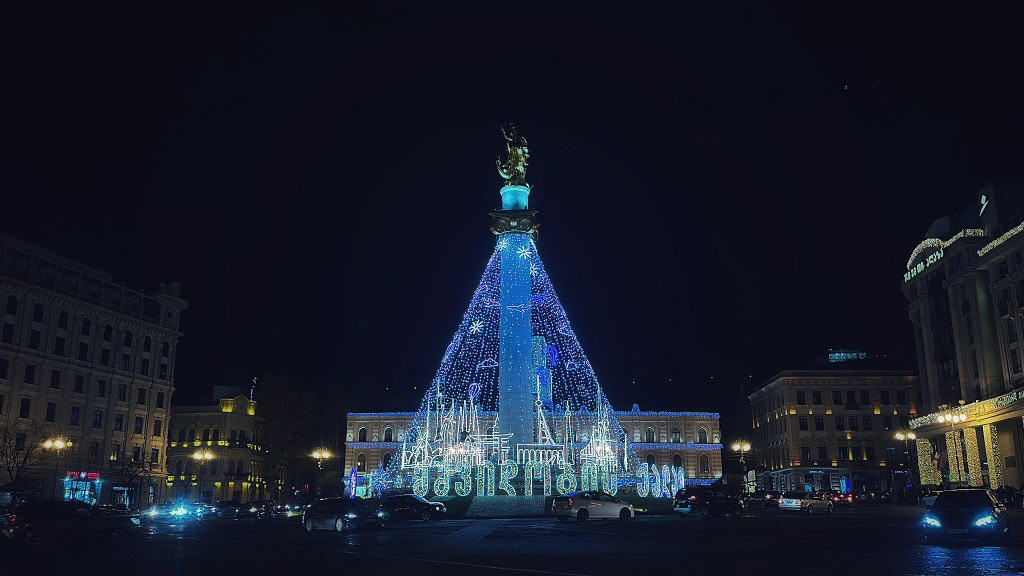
{"x":83,"y":486}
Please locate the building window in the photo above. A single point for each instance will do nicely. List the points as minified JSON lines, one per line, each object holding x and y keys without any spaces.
{"x":869,"y":452}
{"x":127,"y":338}
{"x":83,"y":351}
{"x":101,"y":388}
{"x":816,"y":397}
{"x":819,"y":423}
{"x":388,"y":434}
{"x":94,"y":450}
{"x":884,"y":397}
{"x":216,"y":434}
{"x":865,"y":397}
{"x":144,"y":367}
{"x":650,"y":460}
{"x":86,"y":327}
{"x":805,"y":455}
{"x":58,"y":345}
{"x":37,"y":313}
{"x":136,"y":453}
{"x":855,"y":452}
{"x":702,"y":435}
{"x":12,"y":305}
{"x":649,"y":435}
{"x":676,"y":436}
{"x":206,"y":434}
{"x":159,"y":399}
{"x":1015,"y":360}
{"x":147,"y":344}
{"x":140,"y":398}
{"x":853,"y":423}
{"x":8,"y":333}
{"x":138,"y":424}
{"x":118,"y":422}
{"x":901,"y":397}
{"x":851,"y":397}
{"x":1011,"y":330}
{"x":362,"y":434}
{"x":115,"y":452}
{"x":801,"y":397}
{"x":79,"y":383}
{"x":4,"y":366}
{"x":361,"y":463}
{"x":33,"y":339}
{"x":677,"y":461}
{"x":62,"y":320}
{"x":126,"y":362}
{"x":803,"y":422}
{"x":837,"y":398}
{"x":76,"y":415}
{"x":823,"y":456}
{"x":154,"y":458}
{"x":163,"y":370}
{"x":122,"y":392}
{"x":165,"y":350}
{"x":385,"y":461}
{"x":97,"y":419}
{"x":158,"y":427}
{"x":705,"y":465}
{"x":55,"y":379}
{"x":51,"y":411}
{"x":105,"y":357}
{"x":19,"y":442}
{"x":866,"y":420}
{"x":181,"y":435}
{"x":840,"y":423}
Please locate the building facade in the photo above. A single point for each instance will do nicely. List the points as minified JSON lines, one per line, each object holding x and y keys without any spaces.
{"x":965,"y":290}
{"x":832,"y":428}
{"x":221,"y":452}
{"x":89,"y":361}
{"x":691,"y":440}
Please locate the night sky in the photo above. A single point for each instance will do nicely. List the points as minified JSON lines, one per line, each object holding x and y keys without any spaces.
{"x":722,"y":193}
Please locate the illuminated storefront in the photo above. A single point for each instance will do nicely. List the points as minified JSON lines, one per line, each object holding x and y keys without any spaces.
{"x":83,"y":486}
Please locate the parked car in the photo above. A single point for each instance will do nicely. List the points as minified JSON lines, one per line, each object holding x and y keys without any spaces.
{"x":36,"y":523}
{"x":838,"y":498}
{"x":412,"y":506}
{"x":809,"y":502}
{"x":970,"y":513}
{"x":169,"y":514}
{"x":760,"y":499}
{"x":225,"y":508}
{"x":590,"y":504}
{"x":259,"y":509}
{"x":118,"y":509}
{"x":342,"y":514}
{"x":704,"y":502}
{"x":929,"y":498}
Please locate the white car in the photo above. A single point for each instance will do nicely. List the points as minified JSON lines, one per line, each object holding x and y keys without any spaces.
{"x":590,"y":504}
{"x":805,"y":502}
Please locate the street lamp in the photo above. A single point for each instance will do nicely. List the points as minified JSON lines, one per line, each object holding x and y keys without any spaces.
{"x":954,"y":418}
{"x":742,"y":446}
{"x":321,"y":454}
{"x":57,"y":444}
{"x":906,"y":436}
{"x":201,"y":456}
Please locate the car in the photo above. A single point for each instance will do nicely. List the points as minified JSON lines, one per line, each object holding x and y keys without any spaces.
{"x":35,"y":523}
{"x":118,"y":509}
{"x":412,"y":506}
{"x":760,"y":499}
{"x":838,"y":498}
{"x":225,"y":508}
{"x":800,"y":501}
{"x":171,"y":513}
{"x":929,"y":498}
{"x":590,"y":504}
{"x":704,"y":502}
{"x":965,"y":513}
{"x":342,"y":515}
{"x":259,"y":509}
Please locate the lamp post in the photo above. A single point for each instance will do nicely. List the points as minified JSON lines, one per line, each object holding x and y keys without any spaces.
{"x":57,"y":444}
{"x":906,"y":436}
{"x":742,"y":447}
{"x":954,"y":418}
{"x":321,"y":454}
{"x":201,"y":456}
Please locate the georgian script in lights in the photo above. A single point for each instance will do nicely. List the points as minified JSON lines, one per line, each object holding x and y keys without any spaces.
{"x":939,"y":245}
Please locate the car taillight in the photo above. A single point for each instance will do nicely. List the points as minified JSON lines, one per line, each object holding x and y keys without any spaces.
{"x":570,"y":502}
{"x":693,"y":497}
{"x":780,"y":501}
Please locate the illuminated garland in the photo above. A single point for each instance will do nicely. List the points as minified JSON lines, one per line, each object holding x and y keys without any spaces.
{"x":930,"y":475}
{"x":940,"y":244}
{"x":973,"y":456}
{"x":995,"y":459}
{"x":999,"y":241}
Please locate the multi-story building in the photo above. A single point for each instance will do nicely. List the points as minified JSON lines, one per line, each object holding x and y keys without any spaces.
{"x":88,"y":360}
{"x":222,"y":452}
{"x":965,"y":287}
{"x":832,"y":427}
{"x":691,"y":440}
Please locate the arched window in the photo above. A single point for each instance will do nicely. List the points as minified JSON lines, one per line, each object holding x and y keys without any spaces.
{"x":86,"y":326}
{"x":675,"y":435}
{"x":362,"y":434}
{"x":127,"y":338}
{"x":677,"y":461}
{"x":147,"y":344}
{"x":12,"y":305}
{"x":37,"y":313}
{"x":177,"y":468}
{"x":702,"y":435}
{"x":650,"y":459}
{"x":361,"y":463}
{"x":62,"y":320}
{"x":108,"y":333}
{"x":650,"y":435}
{"x":385,"y":461}
{"x":705,"y":465}
{"x":165,"y":350}
{"x":388,"y":435}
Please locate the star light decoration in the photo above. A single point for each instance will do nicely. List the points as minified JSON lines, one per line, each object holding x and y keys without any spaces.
{"x":476,"y":327}
{"x":524,"y":252}
{"x":533,"y":269}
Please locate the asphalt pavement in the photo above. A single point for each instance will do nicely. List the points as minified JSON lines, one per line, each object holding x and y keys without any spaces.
{"x":862,"y":541}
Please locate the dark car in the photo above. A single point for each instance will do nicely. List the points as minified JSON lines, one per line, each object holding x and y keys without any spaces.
{"x":704,"y":502}
{"x":412,"y":506}
{"x":838,"y":498}
{"x":342,"y":514}
{"x":972,"y":513}
{"x":225,"y":508}
{"x":259,"y":509}
{"x":760,"y":499}
{"x":35,"y":523}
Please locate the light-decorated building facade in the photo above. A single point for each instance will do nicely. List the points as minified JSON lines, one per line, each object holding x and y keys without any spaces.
{"x":688,"y":440}
{"x":964,"y":284}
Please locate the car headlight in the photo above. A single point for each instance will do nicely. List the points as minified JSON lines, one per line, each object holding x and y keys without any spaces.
{"x":136,"y":521}
{"x":985,"y":520}
{"x":932,"y":521}
{"x":252,"y":509}
{"x":179,"y":511}
{"x":152,"y":513}
{"x":351,"y":516}
{"x":380,"y":514}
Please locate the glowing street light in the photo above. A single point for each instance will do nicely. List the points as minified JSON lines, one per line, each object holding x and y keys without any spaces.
{"x":321,"y":454}
{"x":741,"y":446}
{"x":56,"y":444}
{"x":201,"y":456}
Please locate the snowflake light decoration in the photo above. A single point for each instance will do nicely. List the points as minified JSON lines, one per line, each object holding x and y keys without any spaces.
{"x":533,"y":269}
{"x":524,"y":252}
{"x":476,"y":327}
{"x":502,"y":243}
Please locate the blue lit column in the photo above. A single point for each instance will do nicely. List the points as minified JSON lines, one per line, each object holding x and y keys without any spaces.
{"x":515,"y":225}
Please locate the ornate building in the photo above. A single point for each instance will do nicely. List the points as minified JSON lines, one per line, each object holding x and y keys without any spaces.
{"x":89,"y":361}
{"x":964,"y":285}
{"x":221,"y":452}
{"x":691,"y":440}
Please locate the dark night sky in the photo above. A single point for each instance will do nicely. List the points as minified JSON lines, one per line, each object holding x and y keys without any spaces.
{"x":722,"y":193}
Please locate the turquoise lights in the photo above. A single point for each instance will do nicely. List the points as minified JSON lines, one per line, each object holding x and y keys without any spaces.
{"x":932,"y":521}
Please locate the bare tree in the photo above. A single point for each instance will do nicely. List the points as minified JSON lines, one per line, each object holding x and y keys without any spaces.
{"x":21,"y":448}
{"x":132,"y":473}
